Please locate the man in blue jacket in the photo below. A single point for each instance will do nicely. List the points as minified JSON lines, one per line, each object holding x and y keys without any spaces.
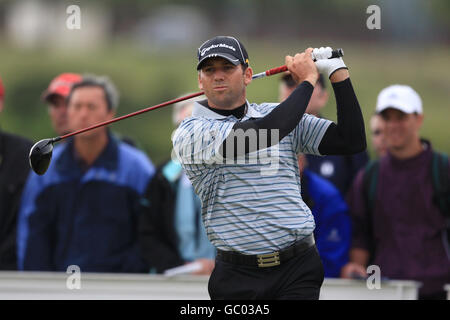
{"x":84,"y":210}
{"x":331,"y":215}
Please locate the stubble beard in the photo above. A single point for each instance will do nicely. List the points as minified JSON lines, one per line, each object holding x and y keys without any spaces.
{"x":227,"y":101}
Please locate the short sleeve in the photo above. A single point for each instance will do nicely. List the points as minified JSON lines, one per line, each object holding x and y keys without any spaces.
{"x":198,"y":140}
{"x":309,"y":133}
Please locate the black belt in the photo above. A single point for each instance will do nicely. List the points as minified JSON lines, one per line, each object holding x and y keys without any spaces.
{"x":267,"y":259}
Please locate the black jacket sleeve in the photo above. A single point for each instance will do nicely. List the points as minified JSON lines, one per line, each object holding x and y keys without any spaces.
{"x":157,"y":235}
{"x":14,"y":168}
{"x":348,"y":135}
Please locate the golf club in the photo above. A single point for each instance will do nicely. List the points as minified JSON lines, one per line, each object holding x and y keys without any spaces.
{"x":41,"y":152}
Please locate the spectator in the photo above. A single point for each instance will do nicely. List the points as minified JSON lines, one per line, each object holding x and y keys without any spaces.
{"x":55,"y":96}
{"x":172,"y":232}
{"x":84,"y":210}
{"x":339,"y":170}
{"x":333,"y":228}
{"x":397,"y":224}
{"x":14,"y":169}
{"x":377,"y":132}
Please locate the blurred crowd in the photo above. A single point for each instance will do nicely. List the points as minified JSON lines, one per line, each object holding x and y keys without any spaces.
{"x":105,"y":207}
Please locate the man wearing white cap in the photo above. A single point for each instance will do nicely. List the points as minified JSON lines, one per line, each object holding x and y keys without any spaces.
{"x":400,"y":203}
{"x":401,"y":107}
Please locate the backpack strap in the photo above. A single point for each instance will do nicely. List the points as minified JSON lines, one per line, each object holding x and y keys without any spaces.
{"x":441,"y":183}
{"x":370,"y":181}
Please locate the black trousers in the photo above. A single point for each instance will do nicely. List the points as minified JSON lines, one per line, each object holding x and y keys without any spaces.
{"x":299,"y":278}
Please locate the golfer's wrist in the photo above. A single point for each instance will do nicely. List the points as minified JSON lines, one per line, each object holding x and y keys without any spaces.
{"x":339,"y":75}
{"x":312,"y":80}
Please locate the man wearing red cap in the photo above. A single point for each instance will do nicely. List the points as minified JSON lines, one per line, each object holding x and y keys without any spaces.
{"x":55,"y":96}
{"x":13,"y":172}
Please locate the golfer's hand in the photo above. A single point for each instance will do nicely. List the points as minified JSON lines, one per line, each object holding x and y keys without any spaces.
{"x":326,"y":65}
{"x":302,"y":67}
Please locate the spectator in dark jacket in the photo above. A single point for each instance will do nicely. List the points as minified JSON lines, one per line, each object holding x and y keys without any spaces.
{"x":14,"y":169}
{"x":403,"y":230}
{"x":171,"y":228}
{"x":339,"y":170}
{"x":84,"y":210}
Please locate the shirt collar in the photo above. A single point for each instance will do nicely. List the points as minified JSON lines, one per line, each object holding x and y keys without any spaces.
{"x":201,"y":111}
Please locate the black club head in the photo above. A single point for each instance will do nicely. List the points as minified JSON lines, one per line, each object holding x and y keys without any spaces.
{"x":41,"y":155}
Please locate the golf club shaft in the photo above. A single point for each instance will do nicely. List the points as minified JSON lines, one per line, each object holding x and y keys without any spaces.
{"x":129,"y":115}
{"x":270,"y":72}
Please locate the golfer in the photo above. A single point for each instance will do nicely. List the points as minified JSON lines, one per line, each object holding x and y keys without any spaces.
{"x":241,"y":158}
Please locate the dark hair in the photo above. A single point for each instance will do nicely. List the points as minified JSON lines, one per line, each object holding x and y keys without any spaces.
{"x":244,"y":66}
{"x":103,"y":82}
{"x":290,"y":82}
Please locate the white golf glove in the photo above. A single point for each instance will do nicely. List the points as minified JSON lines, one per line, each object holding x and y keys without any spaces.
{"x":326,"y":65}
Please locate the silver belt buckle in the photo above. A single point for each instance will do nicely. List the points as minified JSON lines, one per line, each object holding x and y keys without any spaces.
{"x":268,"y":259}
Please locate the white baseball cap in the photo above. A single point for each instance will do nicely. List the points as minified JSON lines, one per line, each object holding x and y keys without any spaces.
{"x":399,"y":97}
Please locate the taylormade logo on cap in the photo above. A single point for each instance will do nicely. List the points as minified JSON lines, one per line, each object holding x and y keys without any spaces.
{"x":221,"y":45}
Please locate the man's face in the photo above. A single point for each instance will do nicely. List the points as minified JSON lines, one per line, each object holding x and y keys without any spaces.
{"x":402,"y":129}
{"x":224,"y":83}
{"x":57,"y":109}
{"x":377,"y":132}
{"x":87,"y":107}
